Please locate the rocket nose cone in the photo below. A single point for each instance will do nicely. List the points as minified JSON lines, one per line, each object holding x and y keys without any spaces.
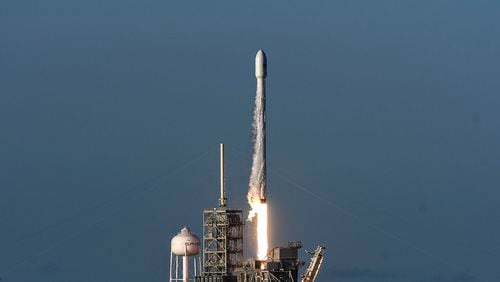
{"x":260,"y":55}
{"x":260,"y":64}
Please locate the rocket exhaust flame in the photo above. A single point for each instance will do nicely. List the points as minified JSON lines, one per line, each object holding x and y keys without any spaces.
{"x":260,"y":209}
{"x":257,"y":186}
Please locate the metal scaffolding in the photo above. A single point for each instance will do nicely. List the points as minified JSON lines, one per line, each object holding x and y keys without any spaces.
{"x":281,"y":265}
{"x":222,"y":241}
{"x":315,"y":265}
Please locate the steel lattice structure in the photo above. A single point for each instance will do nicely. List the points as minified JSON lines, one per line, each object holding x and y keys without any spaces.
{"x":222,"y":241}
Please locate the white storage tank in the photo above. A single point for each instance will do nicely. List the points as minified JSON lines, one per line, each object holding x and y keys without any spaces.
{"x":185,"y":243}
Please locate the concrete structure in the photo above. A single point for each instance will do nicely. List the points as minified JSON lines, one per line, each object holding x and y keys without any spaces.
{"x":282,"y":265}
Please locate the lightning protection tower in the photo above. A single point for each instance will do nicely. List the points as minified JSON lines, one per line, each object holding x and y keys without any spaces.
{"x":222,"y":237}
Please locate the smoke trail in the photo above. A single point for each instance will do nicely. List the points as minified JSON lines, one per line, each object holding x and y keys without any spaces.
{"x":257,"y":184}
{"x":257,"y":187}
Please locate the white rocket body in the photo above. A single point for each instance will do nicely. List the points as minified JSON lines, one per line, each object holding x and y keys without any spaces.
{"x":260,"y":65}
{"x":260,"y":121}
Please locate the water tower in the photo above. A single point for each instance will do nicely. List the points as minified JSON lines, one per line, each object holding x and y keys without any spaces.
{"x":184,"y":245}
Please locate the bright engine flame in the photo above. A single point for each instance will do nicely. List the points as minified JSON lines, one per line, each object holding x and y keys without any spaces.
{"x":259,"y":209}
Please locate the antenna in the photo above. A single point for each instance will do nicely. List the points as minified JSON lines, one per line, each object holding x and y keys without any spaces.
{"x":223,"y":199}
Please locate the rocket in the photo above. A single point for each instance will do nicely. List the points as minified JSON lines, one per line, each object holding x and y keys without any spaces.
{"x":260,"y":117}
{"x":261,"y":69}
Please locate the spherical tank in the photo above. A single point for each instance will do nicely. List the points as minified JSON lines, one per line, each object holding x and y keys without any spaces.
{"x":185,"y":243}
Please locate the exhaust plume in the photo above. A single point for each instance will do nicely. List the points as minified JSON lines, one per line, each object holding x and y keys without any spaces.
{"x":257,"y":185}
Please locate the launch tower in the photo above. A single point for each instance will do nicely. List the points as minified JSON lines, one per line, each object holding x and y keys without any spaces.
{"x":222,"y":237}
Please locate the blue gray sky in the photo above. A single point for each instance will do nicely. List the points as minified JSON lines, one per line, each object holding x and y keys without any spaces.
{"x":383,"y":133}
